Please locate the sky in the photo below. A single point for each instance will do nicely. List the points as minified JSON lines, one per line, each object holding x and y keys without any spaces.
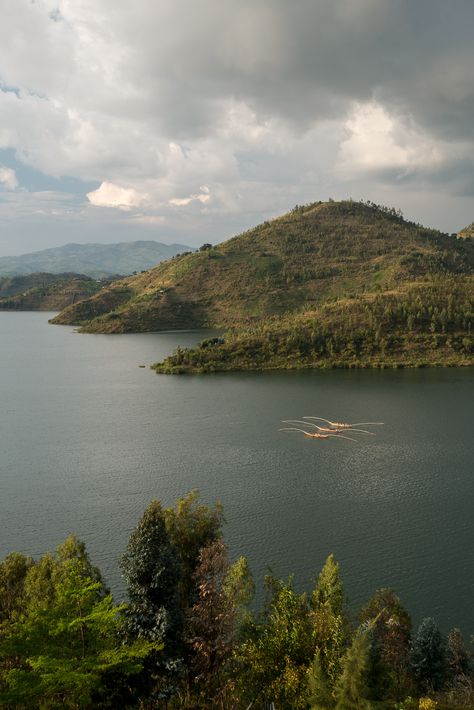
{"x":184,"y":121}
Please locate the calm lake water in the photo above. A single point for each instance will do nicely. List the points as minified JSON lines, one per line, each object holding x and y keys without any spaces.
{"x":88,"y":438}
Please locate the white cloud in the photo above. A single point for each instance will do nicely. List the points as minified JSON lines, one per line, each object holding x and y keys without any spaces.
{"x":8,"y":178}
{"x":110,"y":195}
{"x":378,"y":141}
{"x":203,"y":197}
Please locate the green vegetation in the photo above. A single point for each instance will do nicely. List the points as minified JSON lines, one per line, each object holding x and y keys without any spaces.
{"x":46,"y":292}
{"x":96,"y":260}
{"x":188,"y":637}
{"x":344,"y":284}
{"x":428,"y":324}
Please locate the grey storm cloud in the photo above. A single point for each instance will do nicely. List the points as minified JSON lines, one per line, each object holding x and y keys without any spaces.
{"x":208,"y":110}
{"x":303,"y":61}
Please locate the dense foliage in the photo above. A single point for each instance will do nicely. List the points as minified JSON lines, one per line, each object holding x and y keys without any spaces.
{"x":189,"y":637}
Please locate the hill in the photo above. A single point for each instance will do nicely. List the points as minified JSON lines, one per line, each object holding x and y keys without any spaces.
{"x":96,"y":260}
{"x":46,"y":292}
{"x":357,"y":276}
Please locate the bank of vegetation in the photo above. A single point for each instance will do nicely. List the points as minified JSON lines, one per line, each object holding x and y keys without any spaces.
{"x":426,"y":325}
{"x":188,"y":636}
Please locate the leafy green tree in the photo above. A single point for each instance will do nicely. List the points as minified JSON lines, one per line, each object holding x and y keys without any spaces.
{"x":320,"y":695}
{"x":65,"y":644}
{"x":352,"y":690}
{"x":329,"y":589}
{"x":13,"y":571}
{"x":152,"y":573}
{"x":274,"y":656}
{"x":239,"y":587}
{"x":329,"y":622}
{"x":190,"y":528}
{"x":391,"y":629}
{"x":428,"y":656}
{"x":459,"y":662}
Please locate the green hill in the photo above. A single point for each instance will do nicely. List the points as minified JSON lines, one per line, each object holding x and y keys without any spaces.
{"x":45,"y":292}
{"x":96,"y":260}
{"x":328,"y":283}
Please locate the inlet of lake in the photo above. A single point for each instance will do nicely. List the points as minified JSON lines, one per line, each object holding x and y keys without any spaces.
{"x":89,"y":438}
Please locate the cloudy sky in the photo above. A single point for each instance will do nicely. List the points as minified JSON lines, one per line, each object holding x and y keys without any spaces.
{"x":189,"y":121}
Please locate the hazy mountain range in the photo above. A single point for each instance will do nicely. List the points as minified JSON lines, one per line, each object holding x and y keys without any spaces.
{"x":96,"y":260}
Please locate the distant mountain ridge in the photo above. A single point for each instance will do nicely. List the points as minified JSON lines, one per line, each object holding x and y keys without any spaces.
{"x":95,"y":260}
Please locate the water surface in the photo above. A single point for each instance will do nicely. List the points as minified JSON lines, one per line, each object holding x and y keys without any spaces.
{"x":88,"y":438}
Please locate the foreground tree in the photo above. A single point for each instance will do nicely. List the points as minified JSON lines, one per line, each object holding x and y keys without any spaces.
{"x":428,"y":656}
{"x":63,"y":648}
{"x":191,"y":527}
{"x":352,"y":690}
{"x":273,"y":659}
{"x":320,"y":695}
{"x":391,"y":629}
{"x":459,"y":660}
{"x":213,"y":623}
{"x":13,"y":571}
{"x":152,"y":574}
{"x":460,"y":670}
{"x":330,"y":628}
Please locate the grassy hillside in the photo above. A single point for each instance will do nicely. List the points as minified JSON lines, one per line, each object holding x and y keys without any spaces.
{"x":96,"y":260}
{"x":45,"y":292}
{"x":337,"y":268}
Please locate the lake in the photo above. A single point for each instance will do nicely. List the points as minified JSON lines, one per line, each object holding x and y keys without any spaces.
{"x":89,"y":438}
